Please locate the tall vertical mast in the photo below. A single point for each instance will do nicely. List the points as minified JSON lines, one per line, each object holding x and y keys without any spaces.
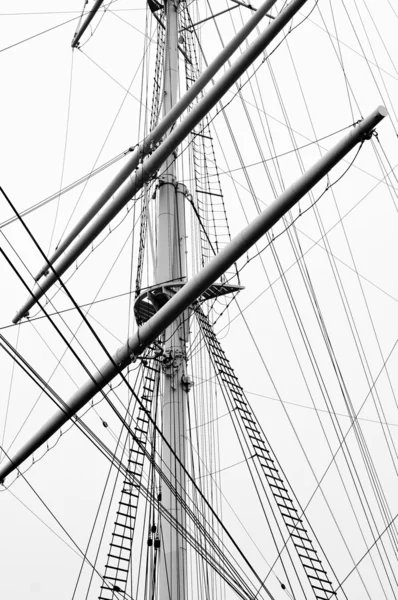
{"x":167,"y":179}
{"x":170,"y":265}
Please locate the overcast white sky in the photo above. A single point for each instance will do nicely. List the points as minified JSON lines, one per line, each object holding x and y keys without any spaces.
{"x":57,"y":108}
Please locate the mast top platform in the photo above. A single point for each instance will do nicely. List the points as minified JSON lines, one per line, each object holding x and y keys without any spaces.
{"x":153,"y":298}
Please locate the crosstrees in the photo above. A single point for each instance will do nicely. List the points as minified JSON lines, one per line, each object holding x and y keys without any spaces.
{"x":119,"y":556}
{"x":295,"y":521}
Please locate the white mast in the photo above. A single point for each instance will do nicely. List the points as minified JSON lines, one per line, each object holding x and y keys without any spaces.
{"x":170,"y":265}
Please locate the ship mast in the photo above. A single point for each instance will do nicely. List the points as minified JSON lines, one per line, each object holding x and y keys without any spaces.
{"x":169,"y":327}
{"x":171,"y":267}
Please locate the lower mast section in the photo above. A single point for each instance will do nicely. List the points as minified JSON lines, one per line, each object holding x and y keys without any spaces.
{"x":171,"y":267}
{"x":173,"y":561}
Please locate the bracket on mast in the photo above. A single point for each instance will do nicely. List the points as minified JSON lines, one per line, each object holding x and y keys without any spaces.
{"x":172,"y":360}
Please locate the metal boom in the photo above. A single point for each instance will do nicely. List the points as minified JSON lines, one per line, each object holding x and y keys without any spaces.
{"x":197,"y":285}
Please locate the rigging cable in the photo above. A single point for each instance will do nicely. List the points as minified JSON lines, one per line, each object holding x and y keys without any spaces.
{"x":65,"y":150}
{"x":112,"y":457}
{"x":348,"y":306}
{"x":140,"y":403}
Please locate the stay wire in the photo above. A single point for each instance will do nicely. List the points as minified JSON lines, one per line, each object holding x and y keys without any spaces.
{"x":67,"y":188}
{"x":340,"y":59}
{"x":368,"y":550}
{"x":44,"y":523}
{"x":355,"y":31}
{"x":139,"y":401}
{"x":127,"y":90}
{"x":367,"y":371}
{"x":201,"y":476}
{"x":38,"y":34}
{"x":282,"y":154}
{"x":343,"y":441}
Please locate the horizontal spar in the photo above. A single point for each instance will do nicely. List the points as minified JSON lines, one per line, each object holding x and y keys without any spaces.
{"x":147,"y":145}
{"x":197,"y":285}
{"x":146,"y":171}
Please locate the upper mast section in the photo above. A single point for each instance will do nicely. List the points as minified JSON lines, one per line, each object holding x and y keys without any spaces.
{"x":171,"y":56}
{"x":167,"y":236}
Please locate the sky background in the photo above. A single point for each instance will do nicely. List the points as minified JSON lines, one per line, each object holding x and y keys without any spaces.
{"x":62,"y":114}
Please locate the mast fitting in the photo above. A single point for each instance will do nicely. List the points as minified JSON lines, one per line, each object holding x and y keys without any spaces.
{"x":172,"y":360}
